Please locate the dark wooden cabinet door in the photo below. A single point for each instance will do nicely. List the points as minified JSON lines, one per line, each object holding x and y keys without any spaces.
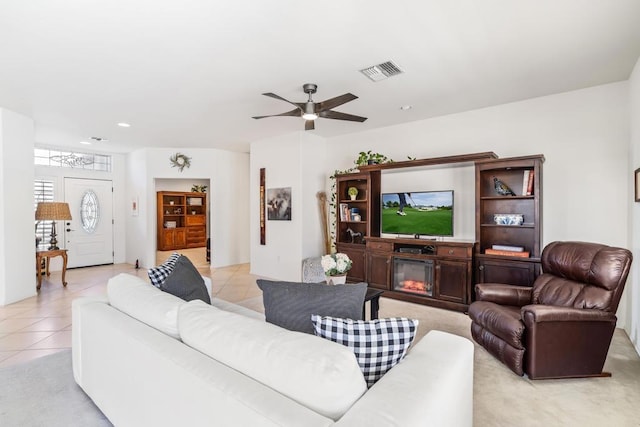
{"x":378,"y":269}
{"x":506,"y":271}
{"x":451,"y":280}
{"x":356,"y":254}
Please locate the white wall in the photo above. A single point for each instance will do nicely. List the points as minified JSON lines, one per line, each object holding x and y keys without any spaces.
{"x":296,"y":160}
{"x":138,"y":227}
{"x":17,"y":262}
{"x":179,"y":184}
{"x":632,"y":324}
{"x":227,"y":173}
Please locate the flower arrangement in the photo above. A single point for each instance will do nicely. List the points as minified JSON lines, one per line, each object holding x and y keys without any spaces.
{"x":335,"y":264}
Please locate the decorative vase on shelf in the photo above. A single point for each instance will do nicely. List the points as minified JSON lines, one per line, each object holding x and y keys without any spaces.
{"x":336,"y":280}
{"x":353,"y":192}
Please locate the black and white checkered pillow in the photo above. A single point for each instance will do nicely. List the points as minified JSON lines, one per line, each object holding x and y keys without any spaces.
{"x":378,"y":344}
{"x":159,"y":274}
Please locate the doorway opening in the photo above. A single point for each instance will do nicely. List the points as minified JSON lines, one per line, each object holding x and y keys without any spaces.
{"x":183,"y":220}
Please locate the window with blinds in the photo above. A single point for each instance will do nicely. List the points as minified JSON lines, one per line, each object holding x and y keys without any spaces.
{"x":42,"y":192}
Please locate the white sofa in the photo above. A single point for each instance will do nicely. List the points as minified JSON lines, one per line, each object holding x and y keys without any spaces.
{"x":148,"y":358}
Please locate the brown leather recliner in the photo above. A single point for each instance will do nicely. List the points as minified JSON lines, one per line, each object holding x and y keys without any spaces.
{"x":563,"y":325}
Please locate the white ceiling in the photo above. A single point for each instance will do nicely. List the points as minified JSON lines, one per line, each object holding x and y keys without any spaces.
{"x":190,"y":72}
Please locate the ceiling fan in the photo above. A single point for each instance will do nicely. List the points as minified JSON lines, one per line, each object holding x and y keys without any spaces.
{"x":312,"y":110}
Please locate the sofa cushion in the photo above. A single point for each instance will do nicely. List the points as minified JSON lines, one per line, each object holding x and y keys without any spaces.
{"x":186,"y":282}
{"x":378,"y":344}
{"x":142,"y":301}
{"x":158,"y":274}
{"x":319,"y":374}
{"x":235,"y":308}
{"x":291,"y":304}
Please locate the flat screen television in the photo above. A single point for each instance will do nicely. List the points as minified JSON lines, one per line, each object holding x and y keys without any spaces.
{"x":428,"y":213}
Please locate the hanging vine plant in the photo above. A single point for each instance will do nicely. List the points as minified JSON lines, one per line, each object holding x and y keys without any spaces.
{"x":180,"y":161}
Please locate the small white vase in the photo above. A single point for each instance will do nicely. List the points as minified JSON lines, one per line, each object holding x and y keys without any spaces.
{"x":336,"y":280}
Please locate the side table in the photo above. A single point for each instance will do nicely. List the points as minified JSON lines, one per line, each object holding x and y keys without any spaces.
{"x":372,"y":295}
{"x":46,"y":255}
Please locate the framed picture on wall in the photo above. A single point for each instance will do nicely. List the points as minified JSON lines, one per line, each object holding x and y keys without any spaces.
{"x":636,"y":187}
{"x":134,"y":206}
{"x":279,"y":204}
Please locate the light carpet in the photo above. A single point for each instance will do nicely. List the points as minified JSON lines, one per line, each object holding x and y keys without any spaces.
{"x":503,"y":399}
{"x":42,"y":392}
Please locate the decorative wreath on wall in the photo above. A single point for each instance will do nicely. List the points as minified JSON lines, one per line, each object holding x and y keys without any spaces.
{"x":180,"y":161}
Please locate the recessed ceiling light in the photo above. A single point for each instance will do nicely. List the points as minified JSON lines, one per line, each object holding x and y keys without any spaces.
{"x":124,"y":125}
{"x":406,"y":107}
{"x":85,"y":142}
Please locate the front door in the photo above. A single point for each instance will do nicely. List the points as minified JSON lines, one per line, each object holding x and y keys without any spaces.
{"x":89,"y":235}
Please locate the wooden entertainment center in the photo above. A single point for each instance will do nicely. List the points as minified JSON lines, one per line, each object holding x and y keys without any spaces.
{"x":442,"y":273}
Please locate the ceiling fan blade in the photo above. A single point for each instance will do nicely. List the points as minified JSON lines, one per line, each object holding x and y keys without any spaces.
{"x":341,"y":116}
{"x":309,"y":125}
{"x":273,"y":95}
{"x":294,"y":113}
{"x":334,"y":102}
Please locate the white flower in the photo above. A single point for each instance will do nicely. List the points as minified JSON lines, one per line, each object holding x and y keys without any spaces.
{"x":328,"y":263}
{"x":341,"y":265}
{"x":335,"y":264}
{"x":343,"y":257}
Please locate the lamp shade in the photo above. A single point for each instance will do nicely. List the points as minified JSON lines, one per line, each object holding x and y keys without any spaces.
{"x":53,"y":211}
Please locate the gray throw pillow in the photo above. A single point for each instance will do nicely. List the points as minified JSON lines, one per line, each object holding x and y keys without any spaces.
{"x":291,"y":304}
{"x":186,"y":282}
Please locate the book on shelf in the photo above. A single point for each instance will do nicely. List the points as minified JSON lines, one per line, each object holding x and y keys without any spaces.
{"x":530,"y":184}
{"x":507,"y":248}
{"x":344,"y":212}
{"x":523,"y":254}
{"x":525,"y":181}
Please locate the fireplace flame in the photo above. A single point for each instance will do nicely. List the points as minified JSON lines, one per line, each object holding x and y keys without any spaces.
{"x":416,"y":286}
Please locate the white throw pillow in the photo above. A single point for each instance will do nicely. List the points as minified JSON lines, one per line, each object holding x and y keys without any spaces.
{"x":317,"y":373}
{"x":143,"y":301}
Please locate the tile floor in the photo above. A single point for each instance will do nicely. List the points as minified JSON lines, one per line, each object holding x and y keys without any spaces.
{"x":41,"y":324}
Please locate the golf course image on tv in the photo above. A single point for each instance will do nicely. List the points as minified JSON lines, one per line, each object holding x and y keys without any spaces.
{"x":426,"y":213}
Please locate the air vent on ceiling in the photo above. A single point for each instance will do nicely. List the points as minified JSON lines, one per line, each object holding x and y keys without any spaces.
{"x":382,"y":71}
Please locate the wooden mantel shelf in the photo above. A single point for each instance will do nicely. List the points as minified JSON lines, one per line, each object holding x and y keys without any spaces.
{"x":430,"y":161}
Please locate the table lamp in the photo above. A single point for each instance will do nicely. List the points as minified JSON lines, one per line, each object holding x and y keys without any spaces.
{"x":53,"y":211}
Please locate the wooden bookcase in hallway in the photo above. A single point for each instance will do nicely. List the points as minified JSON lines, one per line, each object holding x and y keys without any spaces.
{"x":181,"y":220}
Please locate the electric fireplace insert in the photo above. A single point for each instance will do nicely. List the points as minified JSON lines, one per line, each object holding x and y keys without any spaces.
{"x":414,"y":276}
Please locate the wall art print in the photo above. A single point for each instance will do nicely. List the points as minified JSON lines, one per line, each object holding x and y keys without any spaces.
{"x":279,"y":204}
{"x":135,"y":206}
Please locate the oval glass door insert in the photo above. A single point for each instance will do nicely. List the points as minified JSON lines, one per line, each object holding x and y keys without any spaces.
{"x":89,"y":211}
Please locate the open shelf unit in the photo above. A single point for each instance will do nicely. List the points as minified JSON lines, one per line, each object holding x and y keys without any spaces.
{"x":357,"y":218}
{"x":181,"y":220}
{"x":507,"y":267}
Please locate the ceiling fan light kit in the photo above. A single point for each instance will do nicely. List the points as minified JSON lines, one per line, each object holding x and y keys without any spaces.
{"x":310,"y":110}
